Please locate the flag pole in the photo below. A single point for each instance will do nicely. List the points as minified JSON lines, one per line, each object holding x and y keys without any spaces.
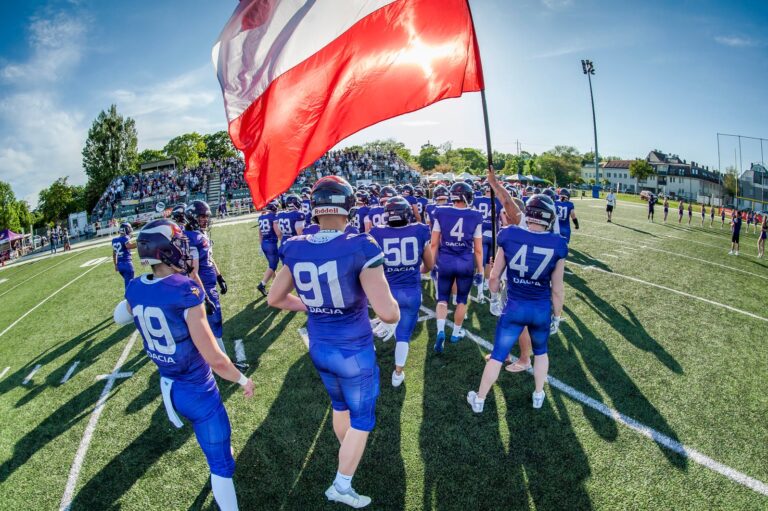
{"x":490,"y":164}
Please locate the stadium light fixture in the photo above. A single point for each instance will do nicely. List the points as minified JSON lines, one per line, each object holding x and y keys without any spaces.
{"x":589,"y":69}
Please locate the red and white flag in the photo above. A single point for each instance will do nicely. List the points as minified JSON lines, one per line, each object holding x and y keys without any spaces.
{"x":298,"y":76}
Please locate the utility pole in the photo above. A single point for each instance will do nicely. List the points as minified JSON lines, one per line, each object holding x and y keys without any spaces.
{"x":589,"y":69}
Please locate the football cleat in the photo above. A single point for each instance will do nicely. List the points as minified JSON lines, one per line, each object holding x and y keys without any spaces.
{"x":457,"y":338}
{"x":475,"y":402}
{"x":440,"y":342}
{"x":350,"y":497}
{"x":242,"y":365}
{"x":538,"y":399}
{"x":262,"y":289}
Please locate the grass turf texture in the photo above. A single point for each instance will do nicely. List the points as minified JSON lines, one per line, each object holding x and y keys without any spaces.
{"x":691,"y":370}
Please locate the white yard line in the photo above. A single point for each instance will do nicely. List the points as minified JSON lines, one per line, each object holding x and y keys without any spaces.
{"x":46,"y":299}
{"x":637,"y":426}
{"x":71,"y":370}
{"x":77,"y":464}
{"x":659,"y":286}
{"x":5,"y":371}
{"x":3,"y":281}
{"x":304,"y":336}
{"x":682,"y":255}
{"x":611,"y":255}
{"x":31,"y":374}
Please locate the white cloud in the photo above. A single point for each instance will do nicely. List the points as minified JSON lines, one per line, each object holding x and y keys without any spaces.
{"x":40,"y":139}
{"x":737,"y":41}
{"x":185,"y":103}
{"x":555,"y":5}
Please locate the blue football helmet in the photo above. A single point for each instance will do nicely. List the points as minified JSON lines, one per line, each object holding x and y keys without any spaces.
{"x":163,"y":241}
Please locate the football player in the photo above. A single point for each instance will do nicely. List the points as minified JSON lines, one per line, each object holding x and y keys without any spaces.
{"x":762,"y":237}
{"x":375,"y":214}
{"x":305,"y":207}
{"x":440,"y":197}
{"x":203,"y":269}
{"x":179,"y":215}
{"x":483,"y":205}
{"x":566,"y":212}
{"x":406,"y":255}
{"x":421,"y":202}
{"x":121,"y":253}
{"x":736,"y":222}
{"x":408,"y":192}
{"x":666,"y":208}
{"x":703,"y":214}
{"x":290,"y":222}
{"x":268,"y":241}
{"x":336,"y":275}
{"x":711,"y":216}
{"x":361,"y":210}
{"x":167,"y":309}
{"x":690,"y":212}
{"x":457,"y":240}
{"x":534,"y":260}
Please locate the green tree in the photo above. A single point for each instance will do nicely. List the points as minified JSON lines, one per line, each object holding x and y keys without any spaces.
{"x":218,"y":146}
{"x":390,"y":145}
{"x":641,"y":170}
{"x":59,"y":200}
{"x":188,"y":149}
{"x":149,"y":155}
{"x":9,"y":213}
{"x":428,"y":157}
{"x":560,"y":166}
{"x":110,"y":151}
{"x":729,"y":182}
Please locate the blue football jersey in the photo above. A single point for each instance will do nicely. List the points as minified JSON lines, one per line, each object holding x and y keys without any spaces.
{"x":326,"y":272}
{"x":122,"y":252}
{"x":403,"y":249}
{"x":376,"y":215}
{"x":531,"y":257}
{"x":458,"y":229}
{"x":429,"y":211}
{"x":159,"y":307}
{"x":315,"y":228}
{"x":266,"y":222}
{"x":306,"y":207}
{"x":483,"y":205}
{"x":358,"y":219}
{"x":563,"y":209}
{"x":421,"y":205}
{"x":288,"y":221}
{"x":201,"y":248}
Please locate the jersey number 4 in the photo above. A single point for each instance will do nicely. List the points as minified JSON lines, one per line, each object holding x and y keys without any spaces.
{"x":327,"y":274}
{"x":155,"y":329}
{"x":517,"y":263}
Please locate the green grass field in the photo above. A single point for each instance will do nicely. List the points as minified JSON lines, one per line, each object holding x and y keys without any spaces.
{"x":687,"y":357}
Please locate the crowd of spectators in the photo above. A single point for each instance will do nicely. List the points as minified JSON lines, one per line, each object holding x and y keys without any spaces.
{"x":231,"y":172}
{"x":354,"y":166}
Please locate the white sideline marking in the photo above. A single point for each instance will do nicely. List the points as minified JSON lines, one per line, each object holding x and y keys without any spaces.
{"x":239,"y":350}
{"x":682,"y":255}
{"x":569,"y":272}
{"x":3,"y":280}
{"x":77,"y":464}
{"x":610,"y":255}
{"x":31,"y":374}
{"x":69,"y":372}
{"x":114,"y":375}
{"x":93,"y":262}
{"x":46,"y":299}
{"x":683,"y":293}
{"x":304,"y":336}
{"x":637,"y":426}
{"x":4,"y":371}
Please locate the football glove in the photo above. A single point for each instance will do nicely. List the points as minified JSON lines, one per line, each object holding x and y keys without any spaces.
{"x":554,"y":326}
{"x":478,"y":279}
{"x":222,"y":284}
{"x":210,"y":307}
{"x":495,"y":304}
{"x":385,"y":331}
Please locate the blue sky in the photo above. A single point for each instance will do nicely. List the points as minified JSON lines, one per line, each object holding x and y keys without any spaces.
{"x":670,"y":75}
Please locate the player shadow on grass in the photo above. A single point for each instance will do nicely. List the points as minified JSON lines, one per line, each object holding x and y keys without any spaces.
{"x":639,"y":231}
{"x":584,"y":259}
{"x":130,"y":465}
{"x":62,"y":419}
{"x":625,"y":395}
{"x":88,"y":350}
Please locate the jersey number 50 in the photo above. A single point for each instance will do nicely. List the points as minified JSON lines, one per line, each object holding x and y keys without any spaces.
{"x":396,"y":251}
{"x":155,"y":329}
{"x":327,"y":274}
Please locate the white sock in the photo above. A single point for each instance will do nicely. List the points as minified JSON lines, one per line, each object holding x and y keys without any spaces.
{"x":342,"y":483}
{"x":440,"y":325}
{"x":224,"y":492}
{"x":263,"y":283}
{"x":220,"y":342}
{"x":457,"y":331}
{"x":401,"y":353}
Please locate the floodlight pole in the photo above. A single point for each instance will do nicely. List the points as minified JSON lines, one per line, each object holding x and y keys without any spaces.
{"x":589,"y":69}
